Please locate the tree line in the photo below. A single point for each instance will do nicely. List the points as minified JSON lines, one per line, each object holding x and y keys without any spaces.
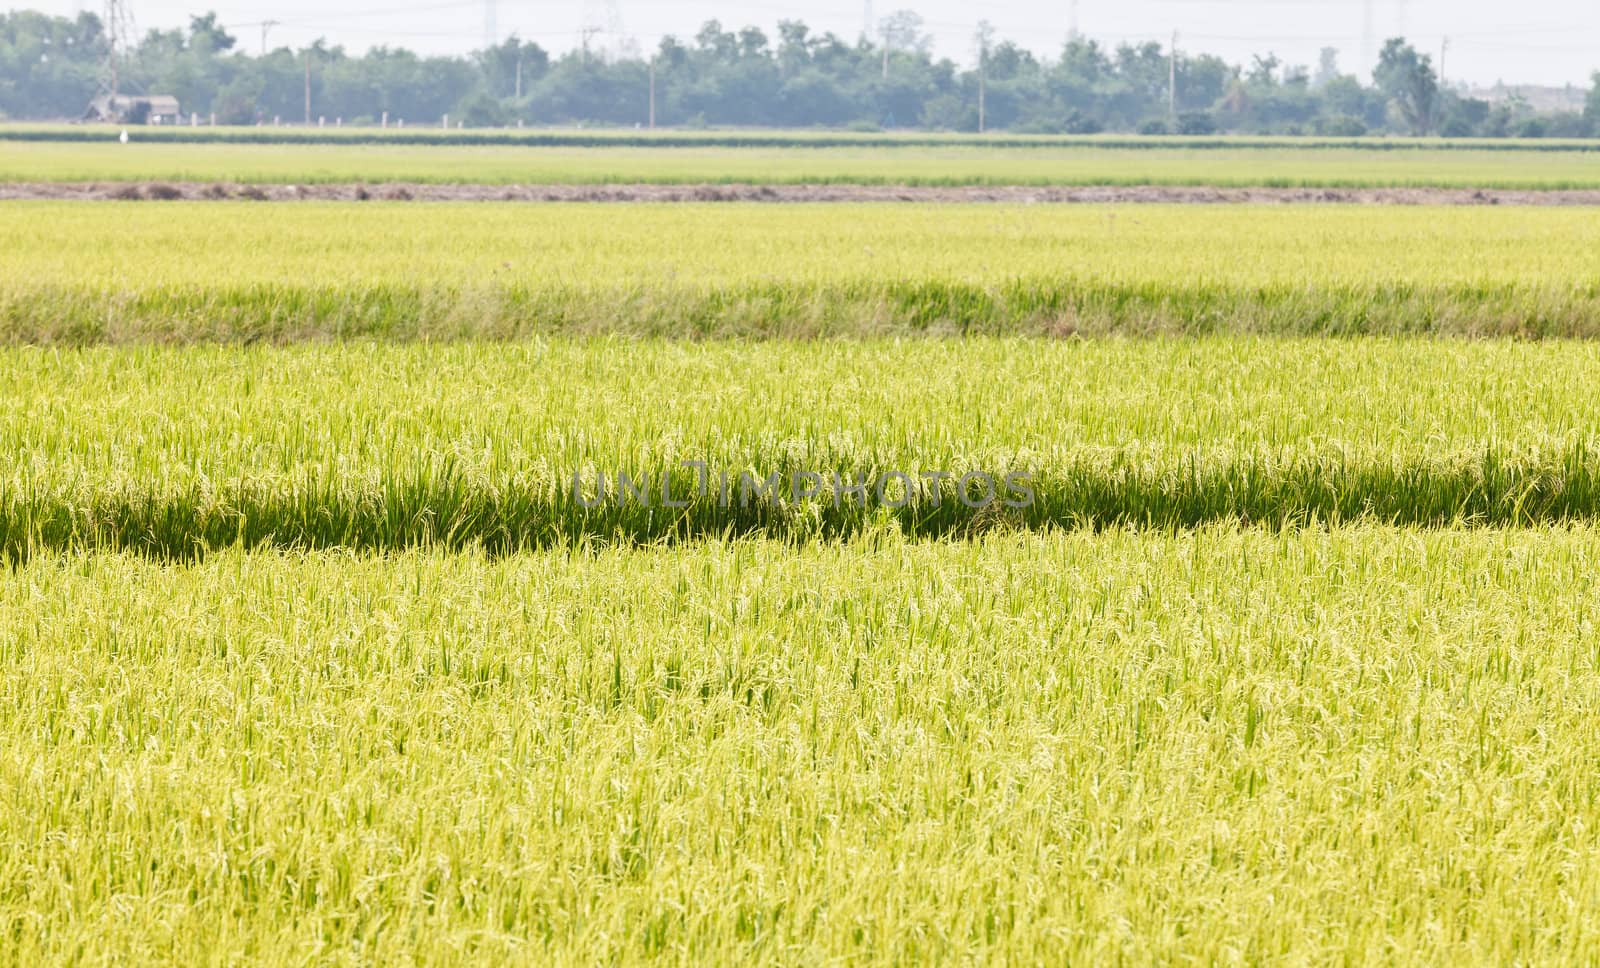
{"x":719,"y":77}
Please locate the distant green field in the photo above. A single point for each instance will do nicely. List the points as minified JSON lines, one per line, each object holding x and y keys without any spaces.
{"x":432,"y":134}
{"x":939,"y":163}
{"x":186,"y":271}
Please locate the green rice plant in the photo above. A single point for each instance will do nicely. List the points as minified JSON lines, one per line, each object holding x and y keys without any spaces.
{"x":513,"y":160}
{"x":310,"y":652}
{"x":1356,"y":745}
{"x":181,"y":272}
{"x":748,"y":138}
{"x":178,"y":452}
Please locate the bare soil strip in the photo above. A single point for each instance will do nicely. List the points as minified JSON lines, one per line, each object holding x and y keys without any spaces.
{"x":1014,"y":194}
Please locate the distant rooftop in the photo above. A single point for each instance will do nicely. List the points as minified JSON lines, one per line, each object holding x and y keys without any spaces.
{"x":1537,"y":97}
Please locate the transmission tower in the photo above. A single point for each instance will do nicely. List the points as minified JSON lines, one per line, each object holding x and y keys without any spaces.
{"x":603,"y":18}
{"x":118,"y":27}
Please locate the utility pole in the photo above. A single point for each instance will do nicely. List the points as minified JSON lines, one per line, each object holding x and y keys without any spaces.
{"x":885,"y":42}
{"x":519,"y":72}
{"x":652,"y":93}
{"x":982,"y":119}
{"x":1172,"y":85}
{"x":983,"y":53}
{"x":308,"y":87}
{"x":985,"y":34}
{"x":266,"y":25}
{"x":1444,"y":48}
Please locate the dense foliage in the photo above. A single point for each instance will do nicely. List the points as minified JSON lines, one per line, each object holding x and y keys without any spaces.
{"x":745,"y":77}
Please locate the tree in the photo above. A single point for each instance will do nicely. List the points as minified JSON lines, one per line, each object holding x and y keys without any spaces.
{"x":810,"y":97}
{"x":1327,"y":67}
{"x":1462,"y":117}
{"x":205,"y":34}
{"x":902,"y":31}
{"x":479,"y":110}
{"x":511,"y":68}
{"x":1264,"y":70}
{"x":1591,"y":109}
{"x":743,"y":76}
{"x":794,"y":46}
{"x":1407,"y":79}
{"x":1137,"y":91}
{"x":716,"y":42}
{"x":1202,"y":80}
{"x":47,"y":64}
{"x":752,"y":43}
{"x":948,"y":112}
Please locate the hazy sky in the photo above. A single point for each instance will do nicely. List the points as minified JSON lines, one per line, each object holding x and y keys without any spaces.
{"x":1531,"y":41}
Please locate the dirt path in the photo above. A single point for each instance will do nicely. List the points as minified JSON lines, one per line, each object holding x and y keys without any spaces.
{"x":1015,"y":194}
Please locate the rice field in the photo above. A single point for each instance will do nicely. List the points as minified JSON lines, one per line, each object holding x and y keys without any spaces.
{"x":382,"y":584}
{"x":177,"y":452}
{"x":223,"y":271}
{"x":1353,"y":745}
{"x":152,"y":157}
{"x":559,"y":136}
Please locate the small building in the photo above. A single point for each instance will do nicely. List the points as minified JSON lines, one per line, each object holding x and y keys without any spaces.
{"x":135,"y":109}
{"x":1541,"y":98}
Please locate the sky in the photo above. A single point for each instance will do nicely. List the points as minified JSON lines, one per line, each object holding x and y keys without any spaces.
{"x":1552,"y":42}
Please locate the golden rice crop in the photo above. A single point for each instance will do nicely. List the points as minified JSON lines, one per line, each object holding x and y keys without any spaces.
{"x":886,"y":161}
{"x":1361,"y":746}
{"x":230,"y":271}
{"x":309,"y":654}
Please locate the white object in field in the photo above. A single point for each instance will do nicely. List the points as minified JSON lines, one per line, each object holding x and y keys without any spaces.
{"x":124,"y":137}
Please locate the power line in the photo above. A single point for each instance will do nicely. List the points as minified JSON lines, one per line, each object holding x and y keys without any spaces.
{"x":343,"y":15}
{"x":603,"y":18}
